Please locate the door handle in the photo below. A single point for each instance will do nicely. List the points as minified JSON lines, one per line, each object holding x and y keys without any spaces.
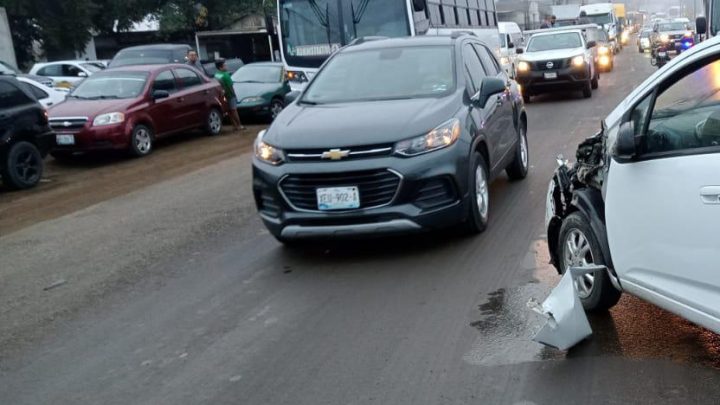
{"x":500,"y":101}
{"x":710,"y":195}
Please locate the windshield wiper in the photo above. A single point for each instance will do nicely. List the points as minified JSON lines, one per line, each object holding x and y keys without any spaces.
{"x":356,"y":17}
{"x":103,"y":98}
{"x":323,"y":19}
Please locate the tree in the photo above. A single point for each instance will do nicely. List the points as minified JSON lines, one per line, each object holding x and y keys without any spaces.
{"x":194,"y":15}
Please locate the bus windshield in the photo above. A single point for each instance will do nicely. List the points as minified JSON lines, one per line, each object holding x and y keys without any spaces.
{"x":314,"y":29}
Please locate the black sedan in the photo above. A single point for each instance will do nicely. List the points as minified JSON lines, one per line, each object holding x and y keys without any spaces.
{"x":392,"y":136}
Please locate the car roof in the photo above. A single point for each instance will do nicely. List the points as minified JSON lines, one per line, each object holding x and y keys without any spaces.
{"x":542,"y":34}
{"x":264,"y":64}
{"x":168,"y":47}
{"x":381,"y":43}
{"x":144,"y":68}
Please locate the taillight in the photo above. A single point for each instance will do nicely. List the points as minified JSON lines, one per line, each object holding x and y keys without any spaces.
{"x":46,"y":116}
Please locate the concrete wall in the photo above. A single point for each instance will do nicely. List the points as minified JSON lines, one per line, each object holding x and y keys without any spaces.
{"x":7,"y":52}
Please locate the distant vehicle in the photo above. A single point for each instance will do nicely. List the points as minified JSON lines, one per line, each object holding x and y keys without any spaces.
{"x":642,"y":199}
{"x":310,"y":32}
{"x":602,"y":52}
{"x":673,"y":35}
{"x":566,"y":14}
{"x":25,"y":137}
{"x":603,"y":14}
{"x":159,"y":54}
{"x":674,"y":12}
{"x":643,"y":40}
{"x":232,"y":66}
{"x":45,"y":95}
{"x":66,"y":73}
{"x":6,"y":69}
{"x":511,"y":37}
{"x":261,"y":89}
{"x":557,"y":59}
{"x":392,"y":136}
{"x":127,"y":108}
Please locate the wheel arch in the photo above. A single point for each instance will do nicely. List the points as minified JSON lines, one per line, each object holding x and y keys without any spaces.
{"x":589,"y":201}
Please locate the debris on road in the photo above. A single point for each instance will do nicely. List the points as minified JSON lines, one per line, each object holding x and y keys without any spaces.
{"x":55,"y":284}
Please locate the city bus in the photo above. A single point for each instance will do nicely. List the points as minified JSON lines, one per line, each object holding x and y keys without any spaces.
{"x":311,"y":30}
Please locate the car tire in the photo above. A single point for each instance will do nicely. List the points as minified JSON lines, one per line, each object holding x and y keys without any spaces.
{"x":142,"y":141}
{"x":23,"y":166}
{"x":640,"y":50}
{"x":518,"y":169}
{"x":479,"y":195}
{"x":526,"y":97}
{"x":214,"y":122}
{"x":578,"y":246}
{"x":587,"y":89}
{"x":276,"y":107}
{"x":595,"y":83}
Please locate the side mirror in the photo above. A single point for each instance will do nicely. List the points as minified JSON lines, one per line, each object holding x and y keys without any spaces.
{"x":519,"y":51}
{"x":591,"y":44}
{"x":419,"y":5}
{"x":160,"y":94}
{"x":489,"y":87}
{"x":701,"y":25}
{"x":624,"y":149}
{"x":82,"y":74}
{"x":291,"y":97}
{"x":511,"y":45}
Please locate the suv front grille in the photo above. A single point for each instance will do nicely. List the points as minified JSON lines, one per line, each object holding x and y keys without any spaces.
{"x":376,"y":187}
{"x":68,"y":124}
{"x":349,"y":153}
{"x":557,"y":64}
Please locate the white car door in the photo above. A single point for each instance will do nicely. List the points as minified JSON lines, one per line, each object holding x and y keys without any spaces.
{"x":663,"y":208}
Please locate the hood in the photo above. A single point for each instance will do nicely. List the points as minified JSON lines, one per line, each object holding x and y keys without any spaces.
{"x":243,"y":90}
{"x":73,"y":107}
{"x":358,"y":124}
{"x":554,"y":54}
{"x":678,"y":32}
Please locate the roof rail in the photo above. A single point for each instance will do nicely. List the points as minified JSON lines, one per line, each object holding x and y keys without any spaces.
{"x":362,"y":40}
{"x":458,"y":34}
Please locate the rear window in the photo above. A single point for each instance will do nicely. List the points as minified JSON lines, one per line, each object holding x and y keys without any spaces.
{"x":11,"y":96}
{"x":142,"y":57}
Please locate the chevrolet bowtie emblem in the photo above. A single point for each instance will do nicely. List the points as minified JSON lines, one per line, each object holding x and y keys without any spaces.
{"x":67,"y":124}
{"x":335,"y":154}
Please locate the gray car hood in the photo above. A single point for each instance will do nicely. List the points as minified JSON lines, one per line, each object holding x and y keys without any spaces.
{"x":303,"y":126}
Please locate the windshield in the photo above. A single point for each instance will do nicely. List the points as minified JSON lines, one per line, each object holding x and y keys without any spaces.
{"x":551,"y":42}
{"x":111,"y":85}
{"x":676,"y":26}
{"x":313,"y":29}
{"x":258,"y":74}
{"x":142,"y":57}
{"x":596,"y":35}
{"x":93,"y":67}
{"x":7,"y":69}
{"x":601,"y":18}
{"x":714,"y":19}
{"x":384,"y":74}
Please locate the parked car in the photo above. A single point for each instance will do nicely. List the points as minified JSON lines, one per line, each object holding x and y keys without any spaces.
{"x":511,"y":37}
{"x":643,"y":40}
{"x":25,"y":137}
{"x":129,"y":107}
{"x":6,"y":69}
{"x":642,"y":198}
{"x":157,"y":54}
{"x":45,"y":95}
{"x":557,"y":59}
{"x":232,"y":66}
{"x":392,"y":136}
{"x":66,"y":73}
{"x":261,"y":89}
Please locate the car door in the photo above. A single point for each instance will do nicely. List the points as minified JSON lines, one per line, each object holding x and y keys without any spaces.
{"x":165,"y":111}
{"x":191,"y":98}
{"x":40,"y":94}
{"x":487,"y":116}
{"x":54,"y":72}
{"x":663,"y":208}
{"x":504,"y":101}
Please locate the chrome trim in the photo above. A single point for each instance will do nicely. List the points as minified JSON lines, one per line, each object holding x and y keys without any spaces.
{"x":394,"y":226}
{"x":304,"y":155}
{"x":351,"y":153}
{"x":371,"y":151}
{"x":392,"y":200}
{"x":68,"y":118}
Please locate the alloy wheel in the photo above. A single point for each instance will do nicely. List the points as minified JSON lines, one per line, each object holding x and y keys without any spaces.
{"x":27,"y":166}
{"x":143,"y":141}
{"x":215,"y":122}
{"x":523,"y":148}
{"x":578,"y":253}
{"x":481,"y":192}
{"x":276,"y":108}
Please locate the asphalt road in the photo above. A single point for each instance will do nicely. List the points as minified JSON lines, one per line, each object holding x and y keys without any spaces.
{"x":174,"y":294}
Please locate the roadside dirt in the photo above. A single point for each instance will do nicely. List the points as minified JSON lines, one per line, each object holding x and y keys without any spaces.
{"x":69,"y":187}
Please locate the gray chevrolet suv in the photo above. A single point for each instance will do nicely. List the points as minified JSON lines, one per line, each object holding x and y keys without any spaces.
{"x":392,"y":136}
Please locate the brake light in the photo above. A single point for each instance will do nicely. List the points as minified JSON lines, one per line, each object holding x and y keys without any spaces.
{"x":46,"y":116}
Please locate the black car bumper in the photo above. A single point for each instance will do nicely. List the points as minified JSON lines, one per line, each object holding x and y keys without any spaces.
{"x":540,"y":81}
{"x":398,"y":195}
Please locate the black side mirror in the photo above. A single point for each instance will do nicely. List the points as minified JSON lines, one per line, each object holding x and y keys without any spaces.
{"x":419,"y":5}
{"x":591,"y":44}
{"x":160,"y":94}
{"x":511,"y":45}
{"x":489,"y":87}
{"x":625,"y":149}
{"x":701,"y":25}
{"x":291,"y":97}
{"x":519,"y":51}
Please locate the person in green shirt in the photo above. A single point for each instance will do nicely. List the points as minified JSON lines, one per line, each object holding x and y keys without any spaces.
{"x":226,"y":82}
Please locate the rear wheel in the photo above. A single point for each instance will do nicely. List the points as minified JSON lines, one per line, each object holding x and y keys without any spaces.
{"x":595,"y":83}
{"x":640,"y":50}
{"x":578,"y":247}
{"x":214,"y":122}
{"x":23,"y":167}
{"x":479,"y":200}
{"x":587,"y":89}
{"x":141,"y":141}
{"x":518,"y":169}
{"x":526,"y":96}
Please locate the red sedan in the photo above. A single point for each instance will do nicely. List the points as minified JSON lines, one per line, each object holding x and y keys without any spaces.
{"x":129,"y":107}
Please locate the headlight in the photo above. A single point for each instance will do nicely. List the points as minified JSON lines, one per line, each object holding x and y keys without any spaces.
{"x":248,"y":100}
{"x":504,"y":60}
{"x":440,"y":137}
{"x":603,"y":50}
{"x":523,"y":66}
{"x":578,"y":61}
{"x":689,"y":34}
{"x":267,"y":153}
{"x":664,"y":37}
{"x":296,"y":76}
{"x":108,"y":119}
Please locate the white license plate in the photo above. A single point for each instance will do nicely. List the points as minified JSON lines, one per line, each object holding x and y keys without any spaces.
{"x":663,"y":54}
{"x":65,"y":139}
{"x":550,"y":76}
{"x":338,"y":198}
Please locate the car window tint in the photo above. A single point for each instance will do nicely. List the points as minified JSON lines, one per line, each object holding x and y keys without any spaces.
{"x":52,"y":70}
{"x":11,"y":96}
{"x":70,"y":71}
{"x":488,"y":61}
{"x":37,"y":92}
{"x":165,"y":81}
{"x":687,"y":114}
{"x":187,"y":78}
{"x":474,"y":67}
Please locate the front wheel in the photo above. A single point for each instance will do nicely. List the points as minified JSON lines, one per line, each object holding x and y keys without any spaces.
{"x":479,"y":191}
{"x":141,"y":141}
{"x":587,"y":89}
{"x":276,"y":107}
{"x":23,"y":167}
{"x":578,"y":247}
{"x":526,"y":97}
{"x":595,"y":83}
